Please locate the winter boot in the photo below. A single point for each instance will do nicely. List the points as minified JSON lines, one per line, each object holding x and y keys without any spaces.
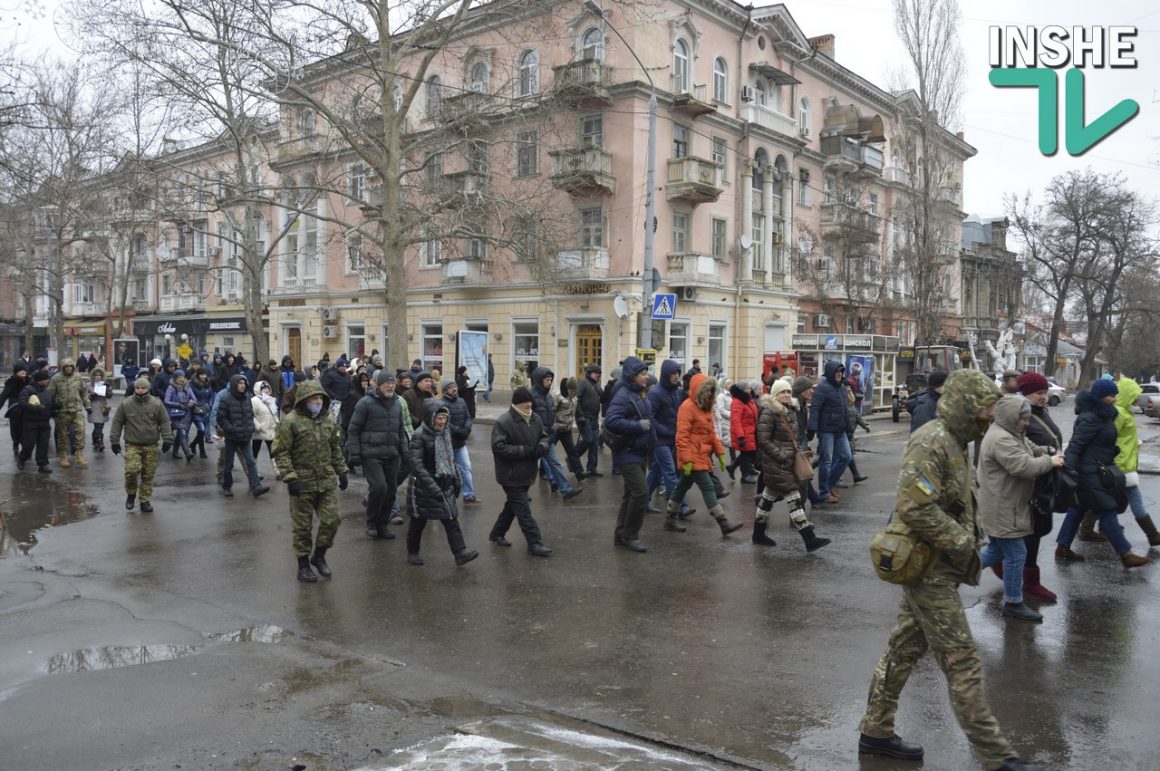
{"x":813,"y":543}
{"x":305,"y":574}
{"x":759,"y":536}
{"x":1149,"y":529}
{"x":1087,"y":528}
{"x":672,"y":524}
{"x":726,"y":526}
{"x":62,"y":461}
{"x":80,"y":460}
{"x":1133,"y":561}
{"x":319,"y":562}
{"x":1064,"y":554}
{"x":1032,"y":587}
{"x":1021,"y":612}
{"x":201,"y":450}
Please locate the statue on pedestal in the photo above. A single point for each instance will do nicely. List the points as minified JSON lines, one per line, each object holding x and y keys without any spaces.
{"x":1005,"y":355}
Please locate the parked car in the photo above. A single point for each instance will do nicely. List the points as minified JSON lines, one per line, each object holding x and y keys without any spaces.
{"x":1055,"y":393}
{"x":1147,"y":390}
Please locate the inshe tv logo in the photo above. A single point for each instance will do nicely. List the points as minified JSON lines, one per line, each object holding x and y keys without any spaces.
{"x":1027,"y":57}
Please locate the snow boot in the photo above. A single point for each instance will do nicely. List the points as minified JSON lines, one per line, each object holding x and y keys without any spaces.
{"x":1032,"y":587}
{"x":813,"y":542}
{"x":726,"y":526}
{"x":1149,"y":527}
{"x":759,"y":536}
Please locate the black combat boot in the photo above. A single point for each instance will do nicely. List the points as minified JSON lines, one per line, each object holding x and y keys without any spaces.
{"x":759,"y":536}
{"x":813,"y":543}
{"x":319,"y":561}
{"x":894,"y":747}
{"x":305,"y":574}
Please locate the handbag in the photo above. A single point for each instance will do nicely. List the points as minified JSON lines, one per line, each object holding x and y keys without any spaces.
{"x":803,"y":469}
{"x":1115,"y":482}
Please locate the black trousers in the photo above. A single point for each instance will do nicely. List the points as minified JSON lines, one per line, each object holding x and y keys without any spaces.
{"x":36,"y":435}
{"x":450,"y":526}
{"x":633,"y":501}
{"x":382,"y":476}
{"x":517,"y":508}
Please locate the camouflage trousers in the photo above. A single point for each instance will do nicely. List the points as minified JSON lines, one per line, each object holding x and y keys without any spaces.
{"x":303,"y":507}
{"x":64,"y":421}
{"x":932,"y":617}
{"x":141,"y":460}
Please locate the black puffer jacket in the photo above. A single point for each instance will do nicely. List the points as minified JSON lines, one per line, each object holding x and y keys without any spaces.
{"x":1093,"y":441}
{"x":587,"y":399}
{"x":432,"y":495}
{"x":460,"y":423}
{"x":376,"y":428}
{"x":36,"y":414}
{"x":337,"y":385}
{"x":513,"y":443}
{"x":925,"y":410}
{"x":235,"y":415}
{"x":542,"y":402}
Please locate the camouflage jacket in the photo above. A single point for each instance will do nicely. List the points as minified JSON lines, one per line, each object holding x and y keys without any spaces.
{"x":308,"y":450}
{"x":934,"y":486}
{"x":70,"y":393}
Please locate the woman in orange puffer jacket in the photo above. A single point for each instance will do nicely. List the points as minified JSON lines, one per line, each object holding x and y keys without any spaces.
{"x":697,"y":443}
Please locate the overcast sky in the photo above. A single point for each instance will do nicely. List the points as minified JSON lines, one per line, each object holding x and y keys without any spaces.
{"x":1000,"y":123}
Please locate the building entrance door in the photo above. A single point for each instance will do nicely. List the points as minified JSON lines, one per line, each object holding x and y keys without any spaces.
{"x":589,"y":347}
{"x":294,"y":347}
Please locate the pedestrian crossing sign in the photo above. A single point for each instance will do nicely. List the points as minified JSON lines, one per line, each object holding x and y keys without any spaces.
{"x":664,"y":307}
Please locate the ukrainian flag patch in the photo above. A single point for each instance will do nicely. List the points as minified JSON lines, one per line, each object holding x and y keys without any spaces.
{"x":925,"y":486}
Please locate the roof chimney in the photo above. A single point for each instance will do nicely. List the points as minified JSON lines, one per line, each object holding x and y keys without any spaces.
{"x":823,"y":44}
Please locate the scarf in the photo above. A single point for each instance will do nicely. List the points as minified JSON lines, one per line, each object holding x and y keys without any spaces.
{"x":444,"y":454}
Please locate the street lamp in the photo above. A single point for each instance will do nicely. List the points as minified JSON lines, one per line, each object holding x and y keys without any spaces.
{"x":644,"y":336}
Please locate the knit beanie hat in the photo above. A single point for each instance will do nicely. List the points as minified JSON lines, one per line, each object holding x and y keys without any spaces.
{"x":780,"y":386}
{"x":937,"y":379}
{"x":801,"y":385}
{"x":179,"y":373}
{"x":140,"y":382}
{"x":1032,"y":382}
{"x":41,"y":374}
{"x":385,"y":376}
{"x":522,"y":395}
{"x":446,"y":383}
{"x":1102,"y":388}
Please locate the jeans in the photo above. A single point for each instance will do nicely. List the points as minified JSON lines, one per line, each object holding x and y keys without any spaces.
{"x":487,"y":393}
{"x":662,"y":472}
{"x":1109,"y":526}
{"x":1012,"y":552}
{"x":1136,"y":503}
{"x":834,"y":452}
{"x":589,"y":442}
{"x":463,"y":463}
{"x":244,"y":449}
{"x":556,"y":476}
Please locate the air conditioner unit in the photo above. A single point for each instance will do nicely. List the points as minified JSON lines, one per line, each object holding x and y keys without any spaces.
{"x":746,"y":94}
{"x":687,"y":292}
{"x":821,"y":321}
{"x":330,"y":331}
{"x":329,"y":314}
{"x":804,"y":132}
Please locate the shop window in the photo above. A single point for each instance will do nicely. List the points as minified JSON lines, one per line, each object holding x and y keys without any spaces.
{"x":679,"y":342}
{"x":526,"y":344}
{"x":433,"y":347}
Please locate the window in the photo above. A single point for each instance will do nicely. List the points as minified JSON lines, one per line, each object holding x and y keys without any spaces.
{"x":306,"y":123}
{"x":526,"y":239}
{"x":804,"y":188}
{"x":679,"y":342}
{"x":528,"y":75}
{"x":828,"y":190}
{"x":430,"y":251}
{"x":680,"y":140}
{"x":719,"y":239}
{"x":872,"y":206}
{"x":433,"y":347}
{"x":804,"y":116}
{"x":477,"y":156}
{"x":592,"y":227}
{"x":433,"y":170}
{"x":354,"y":253}
{"x":717,"y":344}
{"x":200,"y":239}
{"x":720,"y":81}
{"x":758,"y":235}
{"x":720,"y":151}
{"x":759,"y":93}
{"x":681,"y":67}
{"x":434,"y":96}
{"x":356,"y":340}
{"x":357,"y":177}
{"x":526,"y":344}
{"x":593,"y":45}
{"x":480,"y":75}
{"x":166,"y":284}
{"x":476,"y":248}
{"x":592,"y":131}
{"x":680,"y":232}
{"x":139,"y":288}
{"x":527,"y":153}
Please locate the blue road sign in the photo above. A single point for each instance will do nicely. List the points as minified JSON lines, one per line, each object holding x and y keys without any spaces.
{"x":664,"y":307}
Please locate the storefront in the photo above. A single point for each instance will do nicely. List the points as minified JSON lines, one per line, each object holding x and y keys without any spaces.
{"x":170,"y":337}
{"x":84,"y":338}
{"x":874,"y":357}
{"x":227,"y":333}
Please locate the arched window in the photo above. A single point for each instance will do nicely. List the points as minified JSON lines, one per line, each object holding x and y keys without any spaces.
{"x":480,"y":75}
{"x":760,"y":168}
{"x":593,"y":45}
{"x":529,"y":73}
{"x":720,"y":81}
{"x":681,"y":67}
{"x":804,"y":116}
{"x":306,"y":123}
{"x":434,"y":96}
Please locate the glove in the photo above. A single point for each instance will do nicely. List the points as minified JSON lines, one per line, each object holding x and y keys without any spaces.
{"x":343,"y":481}
{"x":646,"y":425}
{"x":541,"y":450}
{"x":810,"y":435}
{"x":116,"y":448}
{"x":166,"y":447}
{"x":688,"y":468}
{"x":294,"y":489}
{"x":721,"y":461}
{"x":741,"y":442}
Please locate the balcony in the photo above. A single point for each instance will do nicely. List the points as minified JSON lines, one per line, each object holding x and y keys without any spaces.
{"x":297,"y":149}
{"x":585,"y":264}
{"x":693,"y":180}
{"x":692,"y":268}
{"x":770,"y":119}
{"x":141,"y":304}
{"x":294,"y":286}
{"x":141,"y":264}
{"x":584,"y":83}
{"x":463,"y":188}
{"x":844,"y":154}
{"x":180,"y":302}
{"x":899,"y":176}
{"x":471,"y":270}
{"x":467,"y":110}
{"x":583,"y":171}
{"x":693,"y":103}
{"x":88,"y":309}
{"x":846,"y":221}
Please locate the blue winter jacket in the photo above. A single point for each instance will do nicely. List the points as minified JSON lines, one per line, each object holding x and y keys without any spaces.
{"x":628,"y":406}
{"x":829,"y":410}
{"x":665,"y":399}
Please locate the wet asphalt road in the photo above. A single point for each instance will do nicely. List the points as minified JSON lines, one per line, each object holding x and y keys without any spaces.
{"x":705,"y":645}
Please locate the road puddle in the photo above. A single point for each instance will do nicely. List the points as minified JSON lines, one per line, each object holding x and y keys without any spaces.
{"x":33,"y":503}
{"x":117,"y":656}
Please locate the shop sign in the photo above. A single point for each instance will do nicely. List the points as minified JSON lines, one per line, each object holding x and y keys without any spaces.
{"x":906,"y":353}
{"x":227,"y":325}
{"x":857,"y":342}
{"x":804,"y":341}
{"x":832,"y":342}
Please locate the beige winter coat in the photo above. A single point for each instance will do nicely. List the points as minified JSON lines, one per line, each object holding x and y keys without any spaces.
{"x":1008,"y":466}
{"x":265,"y":420}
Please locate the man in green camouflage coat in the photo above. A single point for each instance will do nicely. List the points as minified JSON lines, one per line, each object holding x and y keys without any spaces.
{"x":308,"y":455}
{"x":144,"y":420}
{"x":934,"y":499}
{"x":70,"y":399}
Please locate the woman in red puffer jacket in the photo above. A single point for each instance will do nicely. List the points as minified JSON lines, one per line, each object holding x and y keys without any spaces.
{"x":743,"y":431}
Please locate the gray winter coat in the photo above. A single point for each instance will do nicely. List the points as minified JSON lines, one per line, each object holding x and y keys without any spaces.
{"x":1008,"y":467}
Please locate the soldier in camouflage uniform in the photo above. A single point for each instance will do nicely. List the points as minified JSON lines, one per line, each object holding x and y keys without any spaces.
{"x":70,"y":398}
{"x":308,"y":455}
{"x":145,"y":422}
{"x":934,"y":499}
